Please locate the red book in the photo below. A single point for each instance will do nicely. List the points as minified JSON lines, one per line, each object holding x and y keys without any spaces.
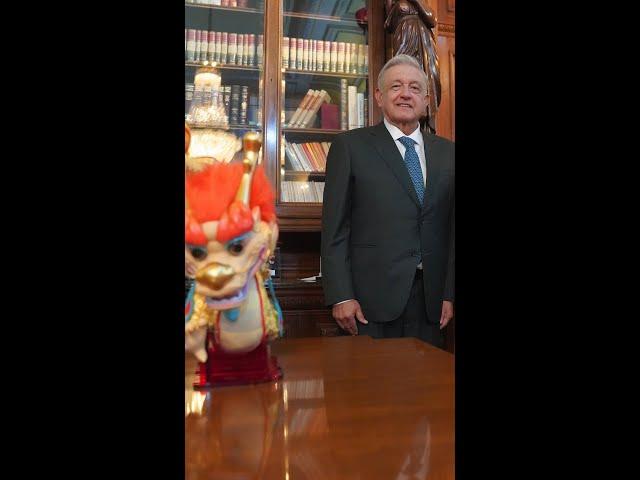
{"x":330,"y":116}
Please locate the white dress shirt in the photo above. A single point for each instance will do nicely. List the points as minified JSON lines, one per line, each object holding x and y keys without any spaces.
{"x":416,"y":136}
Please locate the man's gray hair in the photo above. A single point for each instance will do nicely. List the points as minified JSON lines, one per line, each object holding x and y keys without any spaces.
{"x":402,"y":59}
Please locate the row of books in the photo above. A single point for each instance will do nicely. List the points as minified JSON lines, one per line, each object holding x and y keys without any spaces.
{"x":324,"y":56}
{"x":307,"y":157}
{"x":354,"y":108}
{"x":240,"y":107}
{"x":223,"y":47}
{"x":305,"y":192}
{"x":305,"y":114}
{"x":351,"y":113}
{"x":225,"y":3}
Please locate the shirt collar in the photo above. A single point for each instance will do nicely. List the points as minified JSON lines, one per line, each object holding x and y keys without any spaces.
{"x":396,"y":133}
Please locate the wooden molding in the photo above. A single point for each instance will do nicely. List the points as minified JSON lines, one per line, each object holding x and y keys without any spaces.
{"x":446,"y":29}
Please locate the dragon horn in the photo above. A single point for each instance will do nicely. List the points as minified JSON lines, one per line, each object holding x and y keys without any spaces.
{"x":251,"y":143}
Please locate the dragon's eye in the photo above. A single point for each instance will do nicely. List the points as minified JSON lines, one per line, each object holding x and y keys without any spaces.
{"x":199,"y":253}
{"x":235,"y":247}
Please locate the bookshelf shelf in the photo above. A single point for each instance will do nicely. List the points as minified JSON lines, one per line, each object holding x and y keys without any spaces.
{"x":320,"y":131}
{"x":223,"y":67}
{"x":226,"y":9}
{"x":289,"y":174}
{"x":325,"y":74}
{"x":246,"y":127}
{"x":326,"y":18}
{"x":258,"y":128}
{"x":306,"y":16}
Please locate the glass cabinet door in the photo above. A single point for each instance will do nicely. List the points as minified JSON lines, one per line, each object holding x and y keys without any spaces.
{"x":324,"y":89}
{"x":227,"y":35}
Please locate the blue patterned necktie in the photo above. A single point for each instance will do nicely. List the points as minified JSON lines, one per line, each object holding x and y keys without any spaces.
{"x":413,"y":165}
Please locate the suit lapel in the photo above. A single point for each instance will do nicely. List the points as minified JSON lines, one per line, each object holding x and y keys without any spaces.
{"x":386,"y":147}
{"x":434,"y":169}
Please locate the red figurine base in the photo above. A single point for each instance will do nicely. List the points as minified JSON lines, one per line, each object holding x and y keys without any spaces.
{"x":222,"y":368}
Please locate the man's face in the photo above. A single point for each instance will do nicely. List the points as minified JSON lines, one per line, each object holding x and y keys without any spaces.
{"x":403,"y":98}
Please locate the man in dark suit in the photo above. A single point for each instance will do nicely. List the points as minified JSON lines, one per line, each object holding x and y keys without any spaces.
{"x":388,"y":218}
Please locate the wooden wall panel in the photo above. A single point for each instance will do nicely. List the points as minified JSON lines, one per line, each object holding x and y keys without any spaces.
{"x":446,"y":120}
{"x":446,"y":11}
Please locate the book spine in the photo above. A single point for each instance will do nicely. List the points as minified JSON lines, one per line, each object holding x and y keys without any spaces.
{"x":240,"y":49}
{"x":302,"y":155}
{"x":300,"y":53}
{"x":227,"y":100}
{"x":253,"y":110}
{"x":320,"y":60}
{"x":366,"y":59}
{"x":299,"y":122}
{"x":224,"y":47}
{"x":343,"y":104}
{"x":334,"y":56}
{"x":301,"y":106}
{"x":304,"y":116}
{"x":197,"y":48}
{"x":360,"y":105}
{"x":340,"y":62}
{"x":285,"y":52}
{"x":299,"y":165}
{"x":252,"y":50}
{"x":327,"y":57}
{"x":289,"y":155}
{"x":293,"y":53}
{"x":347,"y":57}
{"x":317,"y":155}
{"x":311,"y":157}
{"x":305,"y":54}
{"x":366,"y":112}
{"x":234,"y":116}
{"x":244,"y":104}
{"x":355,"y":48}
{"x":314,"y":107}
{"x":246,"y":50}
{"x":352,"y":99}
{"x":211,"y":47}
{"x":260,"y":50}
{"x":191,"y":45}
{"x":232,"y":48}
{"x":204,"y":46}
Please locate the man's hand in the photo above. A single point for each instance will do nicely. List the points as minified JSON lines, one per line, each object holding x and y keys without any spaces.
{"x":447,"y":313}
{"x":346,"y":313}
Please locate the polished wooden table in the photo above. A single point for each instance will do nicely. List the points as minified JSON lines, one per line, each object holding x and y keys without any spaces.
{"x":346,"y":408}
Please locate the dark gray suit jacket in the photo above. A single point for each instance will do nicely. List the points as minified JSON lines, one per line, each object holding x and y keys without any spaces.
{"x":374,"y":232}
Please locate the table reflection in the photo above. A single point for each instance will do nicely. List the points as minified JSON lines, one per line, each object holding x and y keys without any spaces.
{"x":339,"y":413}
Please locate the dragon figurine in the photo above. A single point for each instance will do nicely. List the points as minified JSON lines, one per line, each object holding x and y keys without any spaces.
{"x":230,"y":232}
